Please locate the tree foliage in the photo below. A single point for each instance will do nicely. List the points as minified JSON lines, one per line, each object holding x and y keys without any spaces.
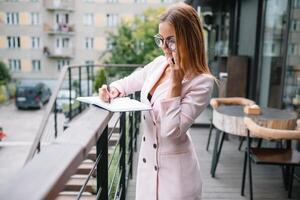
{"x":4,"y":74}
{"x":133,"y":42}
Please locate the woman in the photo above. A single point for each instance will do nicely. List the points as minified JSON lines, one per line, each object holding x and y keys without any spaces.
{"x":178,"y":86}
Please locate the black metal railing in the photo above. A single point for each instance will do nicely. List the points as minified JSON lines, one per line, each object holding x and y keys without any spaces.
{"x":84,"y":75}
{"x":114,"y":171}
{"x":56,"y":163}
{"x":63,"y":157}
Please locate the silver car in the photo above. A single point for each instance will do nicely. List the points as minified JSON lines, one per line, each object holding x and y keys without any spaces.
{"x":63,"y":98}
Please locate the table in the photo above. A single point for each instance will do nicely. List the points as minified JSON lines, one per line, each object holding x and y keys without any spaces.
{"x":230,"y":119}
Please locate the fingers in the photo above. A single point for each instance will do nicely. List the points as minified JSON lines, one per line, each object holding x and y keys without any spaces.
{"x":114,"y":92}
{"x":169,"y":59}
{"x":173,"y":63}
{"x":103,"y":93}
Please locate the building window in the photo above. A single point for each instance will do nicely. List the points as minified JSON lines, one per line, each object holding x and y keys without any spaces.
{"x":12,"y":18}
{"x":88,"y":19}
{"x":35,"y":42}
{"x":62,"y":63}
{"x":112,"y":1}
{"x":296,"y":3}
{"x":14,"y":65}
{"x":112,"y":20}
{"x":34,"y":18}
{"x":109,"y":44}
{"x":13,"y":42}
{"x":292,"y":49}
{"x":62,"y":18}
{"x":36,"y":65}
{"x":273,"y":48}
{"x":89,"y":43}
{"x":62,"y":21}
{"x":62,"y":42}
{"x":295,"y":25}
{"x":140,"y":1}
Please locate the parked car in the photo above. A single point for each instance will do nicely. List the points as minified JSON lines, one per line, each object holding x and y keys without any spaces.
{"x":63,"y":99}
{"x":32,"y":95}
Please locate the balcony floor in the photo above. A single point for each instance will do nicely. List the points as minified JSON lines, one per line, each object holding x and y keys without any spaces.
{"x":267,"y":180}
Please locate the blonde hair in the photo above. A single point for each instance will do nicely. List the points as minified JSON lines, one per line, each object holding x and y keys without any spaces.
{"x":189,"y":38}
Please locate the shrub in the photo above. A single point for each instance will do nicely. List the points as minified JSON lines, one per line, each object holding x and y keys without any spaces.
{"x":4,"y":74}
{"x":12,"y":89}
{"x":3,"y":94}
{"x":100,"y":79}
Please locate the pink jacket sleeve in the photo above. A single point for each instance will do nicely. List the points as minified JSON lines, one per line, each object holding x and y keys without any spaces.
{"x":177,"y":114}
{"x":135,"y":81}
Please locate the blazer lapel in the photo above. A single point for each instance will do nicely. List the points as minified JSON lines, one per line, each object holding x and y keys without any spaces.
{"x":153,"y":78}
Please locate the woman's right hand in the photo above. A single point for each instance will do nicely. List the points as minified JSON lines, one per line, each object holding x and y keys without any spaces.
{"x":106,"y":95}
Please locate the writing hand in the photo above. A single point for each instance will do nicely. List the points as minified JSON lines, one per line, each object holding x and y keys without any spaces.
{"x":106,"y":94}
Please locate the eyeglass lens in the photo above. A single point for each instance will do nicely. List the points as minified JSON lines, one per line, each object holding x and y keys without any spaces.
{"x":170,"y":42}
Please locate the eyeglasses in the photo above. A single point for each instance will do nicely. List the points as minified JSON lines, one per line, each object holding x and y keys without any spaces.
{"x":170,"y":42}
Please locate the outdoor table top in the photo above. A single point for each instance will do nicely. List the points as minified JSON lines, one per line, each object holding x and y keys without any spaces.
{"x":230,"y":119}
{"x":266,"y":114}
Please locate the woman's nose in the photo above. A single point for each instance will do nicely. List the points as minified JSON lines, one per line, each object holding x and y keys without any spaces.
{"x":166,"y":48}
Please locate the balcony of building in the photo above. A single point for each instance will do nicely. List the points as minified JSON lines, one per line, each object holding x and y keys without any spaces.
{"x":62,"y":29}
{"x":59,"y":5}
{"x":95,"y":156}
{"x":60,"y":52}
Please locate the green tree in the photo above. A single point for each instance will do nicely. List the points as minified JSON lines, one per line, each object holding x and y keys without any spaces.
{"x":4,"y":74}
{"x":100,"y":79}
{"x":133,"y":42}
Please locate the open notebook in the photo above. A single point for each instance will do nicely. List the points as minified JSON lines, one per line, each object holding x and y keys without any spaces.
{"x":121,"y":104}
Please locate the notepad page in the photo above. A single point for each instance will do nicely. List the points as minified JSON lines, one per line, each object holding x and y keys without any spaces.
{"x":121,"y":104}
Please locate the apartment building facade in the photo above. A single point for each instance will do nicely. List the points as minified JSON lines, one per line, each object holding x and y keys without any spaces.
{"x":39,"y":37}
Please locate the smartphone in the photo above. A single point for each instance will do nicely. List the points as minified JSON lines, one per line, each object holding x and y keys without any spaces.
{"x":173,"y":61}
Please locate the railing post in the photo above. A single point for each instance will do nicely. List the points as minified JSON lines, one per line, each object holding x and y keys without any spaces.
{"x":92,"y":78}
{"x":55,"y":120}
{"x":70,"y":95}
{"x":79,"y":77}
{"x":130,"y":144}
{"x":88,"y":79}
{"x":136,"y":123}
{"x":102,"y":167}
{"x":123,"y":156}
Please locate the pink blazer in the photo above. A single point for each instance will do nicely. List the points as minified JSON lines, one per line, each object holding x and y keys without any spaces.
{"x":168,"y":168}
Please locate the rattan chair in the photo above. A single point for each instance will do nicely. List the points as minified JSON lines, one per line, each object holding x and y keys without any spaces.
{"x":287,"y":158}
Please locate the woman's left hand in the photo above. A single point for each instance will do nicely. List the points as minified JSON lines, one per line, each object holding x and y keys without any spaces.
{"x":177,"y":75}
{"x":177,"y":72}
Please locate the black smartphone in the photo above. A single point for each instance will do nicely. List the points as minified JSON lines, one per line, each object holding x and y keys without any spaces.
{"x":173,"y":61}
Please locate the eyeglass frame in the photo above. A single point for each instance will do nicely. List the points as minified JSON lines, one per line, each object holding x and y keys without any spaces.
{"x":164,"y":41}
